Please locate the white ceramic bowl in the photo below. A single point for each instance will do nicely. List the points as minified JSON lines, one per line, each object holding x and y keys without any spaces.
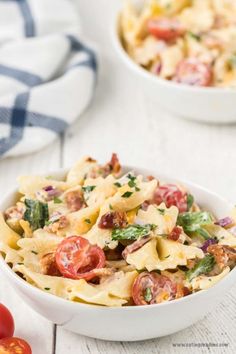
{"x":126,"y":323}
{"x":204,"y":104}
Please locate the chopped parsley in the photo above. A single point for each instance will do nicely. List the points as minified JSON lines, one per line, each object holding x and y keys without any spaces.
{"x":167,"y":256}
{"x":47,"y":288}
{"x":34,"y":252}
{"x":117,"y":184}
{"x":195,"y":36}
{"x":204,"y":266}
{"x":161,"y":211}
{"x":132,"y":180}
{"x":88,"y":189}
{"x":111,"y":207}
{"x":57,"y":200}
{"x":36,"y":213}
{"x":147,"y":295}
{"x":127,"y":194}
{"x":88,"y":221}
{"x":132,"y":232}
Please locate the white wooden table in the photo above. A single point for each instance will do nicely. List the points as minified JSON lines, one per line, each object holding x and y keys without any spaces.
{"x":123,"y":120}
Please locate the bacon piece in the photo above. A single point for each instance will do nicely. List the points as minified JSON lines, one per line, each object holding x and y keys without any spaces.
{"x":113,"y":220}
{"x":113,"y":166}
{"x":150,"y":178}
{"x":182,"y":291}
{"x":74,"y":200}
{"x":224,"y":255}
{"x":14,"y":212}
{"x":90,"y":159}
{"x":115,"y":163}
{"x":135,"y":246}
{"x":115,"y":254}
{"x":175,"y":233}
{"x":61,"y":223}
{"x":48,"y":265}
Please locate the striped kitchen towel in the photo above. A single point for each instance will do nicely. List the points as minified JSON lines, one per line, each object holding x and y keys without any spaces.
{"x":47,"y":72}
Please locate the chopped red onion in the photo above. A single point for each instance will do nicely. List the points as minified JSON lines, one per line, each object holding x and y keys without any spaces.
{"x":48,"y":188}
{"x":207,"y":243}
{"x":224,"y":222}
{"x":52,"y":192}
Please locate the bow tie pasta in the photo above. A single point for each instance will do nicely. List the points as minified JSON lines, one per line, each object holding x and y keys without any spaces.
{"x":188,"y":42}
{"x":108,"y":238}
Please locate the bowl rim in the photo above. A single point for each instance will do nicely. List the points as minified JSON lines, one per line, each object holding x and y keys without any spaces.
{"x":4,"y":267}
{"x":156,"y":79}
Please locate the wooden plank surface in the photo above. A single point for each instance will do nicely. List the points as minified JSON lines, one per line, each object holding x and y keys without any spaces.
{"x":124,"y":120}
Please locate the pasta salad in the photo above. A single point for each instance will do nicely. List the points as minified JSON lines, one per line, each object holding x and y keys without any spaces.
{"x":109,"y":238}
{"x":190,"y":42}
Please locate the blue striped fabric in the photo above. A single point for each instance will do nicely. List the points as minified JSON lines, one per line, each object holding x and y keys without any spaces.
{"x":78,"y":46}
{"x":29,"y":24}
{"x":20,"y":75}
{"x":19,"y":111}
{"x":19,"y":116}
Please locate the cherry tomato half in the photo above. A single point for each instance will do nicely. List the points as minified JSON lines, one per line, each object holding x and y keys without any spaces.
{"x":165,"y":28}
{"x":14,"y":345}
{"x":76,"y":258}
{"x":6,"y":322}
{"x":153,"y":288}
{"x":170,"y":194}
{"x":193,"y":72}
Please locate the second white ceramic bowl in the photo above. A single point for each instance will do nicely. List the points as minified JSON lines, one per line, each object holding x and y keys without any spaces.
{"x":204,"y":104}
{"x":126,"y":323}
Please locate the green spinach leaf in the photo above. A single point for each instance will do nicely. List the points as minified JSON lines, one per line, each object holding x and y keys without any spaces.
{"x":36,"y":213}
{"x":132,"y":232}
{"x":204,"y":266}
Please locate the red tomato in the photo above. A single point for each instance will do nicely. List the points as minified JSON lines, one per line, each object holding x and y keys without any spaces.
{"x":153,"y":288}
{"x":166,"y":28}
{"x":193,"y":72}
{"x":76,"y":258}
{"x":14,"y":345}
{"x":170,"y":194}
{"x":6,"y":322}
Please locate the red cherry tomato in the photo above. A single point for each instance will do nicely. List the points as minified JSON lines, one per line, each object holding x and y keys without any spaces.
{"x":6,"y":322}
{"x":193,"y":72}
{"x":165,"y":28}
{"x":153,"y":288}
{"x":170,"y":194}
{"x":14,"y":345}
{"x":76,"y":258}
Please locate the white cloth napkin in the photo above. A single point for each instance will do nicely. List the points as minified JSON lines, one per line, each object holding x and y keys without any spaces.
{"x":47,"y":72}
